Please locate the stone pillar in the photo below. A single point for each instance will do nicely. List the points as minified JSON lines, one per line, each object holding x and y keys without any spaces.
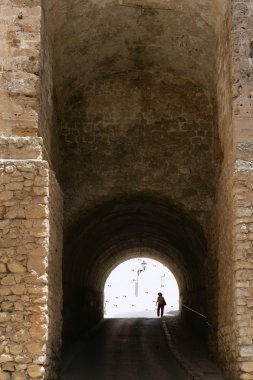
{"x":242,"y":74}
{"x":30,"y":263}
{"x":232,"y":235}
{"x":30,"y":208}
{"x":19,"y":62}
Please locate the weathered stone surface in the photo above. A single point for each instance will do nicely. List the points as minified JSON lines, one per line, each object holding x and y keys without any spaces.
{"x":5,"y":375}
{"x":36,"y":211}
{"x":20,"y":147}
{"x":37,"y":264}
{"x":247,"y":367}
{"x":38,"y":331}
{"x":16,"y":267}
{"x":2,"y":267}
{"x":23,"y":359}
{"x":16,"y":376}
{"x":35,"y":347}
{"x":246,"y":376}
{"x":16,"y":349}
{"x":24,"y":271}
{"x":246,"y":351}
{"x":4,"y":317}
{"x":35,"y":371}
{"x":18,"y":289}
{"x":8,"y":280}
{"x":6,"y":358}
{"x":6,"y":195}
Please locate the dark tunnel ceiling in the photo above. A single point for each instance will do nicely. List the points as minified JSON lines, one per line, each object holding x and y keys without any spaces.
{"x":94,"y":40}
{"x":119,"y":229}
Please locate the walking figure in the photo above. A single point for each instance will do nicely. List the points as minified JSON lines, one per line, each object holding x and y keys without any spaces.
{"x":160,"y":304}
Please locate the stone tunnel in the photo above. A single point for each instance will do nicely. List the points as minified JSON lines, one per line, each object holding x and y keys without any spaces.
{"x":123,"y":229}
{"x":126,"y":128}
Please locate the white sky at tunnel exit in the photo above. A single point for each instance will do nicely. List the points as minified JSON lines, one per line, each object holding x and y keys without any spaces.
{"x":120,"y":289}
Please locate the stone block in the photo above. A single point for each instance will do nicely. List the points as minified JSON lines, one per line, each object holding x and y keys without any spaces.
{"x":6,"y":195}
{"x":246,"y":351}
{"x":38,"y":331}
{"x":35,"y":347}
{"x":5,"y":375}
{"x":15,"y":212}
{"x":6,"y":358}
{"x":246,"y":366}
{"x":36,"y":211}
{"x":4,"y":317}
{"x":18,"y":289}
{"x":35,"y":371}
{"x":246,"y":376}
{"x":18,"y":376}
{"x":37,"y":264}
{"x":7,"y":306}
{"x":25,"y":359}
{"x":13,"y":186}
{"x":2,"y":268}
{"x":16,"y":267}
{"x":16,"y":349}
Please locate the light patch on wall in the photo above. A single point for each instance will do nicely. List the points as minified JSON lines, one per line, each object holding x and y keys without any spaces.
{"x":131,"y":289}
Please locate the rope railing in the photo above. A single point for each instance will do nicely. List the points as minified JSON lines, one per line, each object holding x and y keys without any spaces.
{"x":198,"y":313}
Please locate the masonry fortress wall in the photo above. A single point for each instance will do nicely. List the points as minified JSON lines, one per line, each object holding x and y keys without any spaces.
{"x":148,"y":131}
{"x":30,"y":208}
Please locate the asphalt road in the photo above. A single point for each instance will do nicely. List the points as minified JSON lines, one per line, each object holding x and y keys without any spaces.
{"x":123,"y":349}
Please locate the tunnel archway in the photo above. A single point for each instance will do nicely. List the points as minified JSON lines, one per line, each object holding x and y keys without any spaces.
{"x":133,"y":111}
{"x":132,"y":287}
{"x":136,"y":98}
{"x":115,"y":232}
{"x":133,"y":100}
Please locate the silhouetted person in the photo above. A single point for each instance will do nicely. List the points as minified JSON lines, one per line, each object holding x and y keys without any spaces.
{"x":160,"y":304}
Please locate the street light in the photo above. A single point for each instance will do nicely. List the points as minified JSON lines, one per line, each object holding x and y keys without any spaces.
{"x":144,"y":265}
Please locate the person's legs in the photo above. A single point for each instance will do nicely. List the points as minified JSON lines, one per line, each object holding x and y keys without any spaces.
{"x":160,"y":309}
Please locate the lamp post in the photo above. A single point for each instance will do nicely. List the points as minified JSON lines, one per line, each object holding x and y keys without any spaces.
{"x":143,"y":264}
{"x":162,"y":277}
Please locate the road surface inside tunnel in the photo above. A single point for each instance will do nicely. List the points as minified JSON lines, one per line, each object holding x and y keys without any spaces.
{"x":123,"y":349}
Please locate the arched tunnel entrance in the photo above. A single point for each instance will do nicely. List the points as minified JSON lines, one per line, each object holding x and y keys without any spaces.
{"x":132,"y":288}
{"x":115,"y":232}
{"x":131,"y":124}
{"x":133,"y":120}
{"x":125,"y":125}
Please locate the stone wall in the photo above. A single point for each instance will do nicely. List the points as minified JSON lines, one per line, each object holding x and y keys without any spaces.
{"x":242,"y":69}
{"x":55,"y":296}
{"x":243,"y":227}
{"x":220,"y":239}
{"x":29,"y":313}
{"x":157,"y":141}
{"x":19,"y":62}
{"x":30,"y":203}
{"x":24,"y":245}
{"x":232,"y":215}
{"x":48,"y":130}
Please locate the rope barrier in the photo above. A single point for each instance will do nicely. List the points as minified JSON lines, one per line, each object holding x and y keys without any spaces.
{"x":198,"y":313}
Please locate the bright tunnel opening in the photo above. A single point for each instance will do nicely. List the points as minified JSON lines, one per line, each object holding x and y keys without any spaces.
{"x":131,"y":289}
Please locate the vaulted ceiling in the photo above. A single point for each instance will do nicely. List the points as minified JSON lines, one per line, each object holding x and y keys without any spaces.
{"x":97,"y":39}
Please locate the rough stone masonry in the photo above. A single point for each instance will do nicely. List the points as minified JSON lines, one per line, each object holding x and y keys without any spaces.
{"x":139,"y":115}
